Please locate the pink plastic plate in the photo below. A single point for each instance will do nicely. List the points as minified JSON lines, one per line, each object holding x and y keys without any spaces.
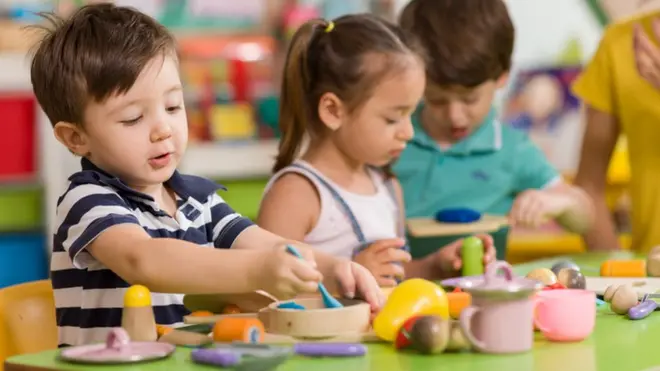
{"x":117,"y":349}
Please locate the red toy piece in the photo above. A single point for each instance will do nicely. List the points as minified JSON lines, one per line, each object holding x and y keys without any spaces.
{"x":403,"y":337}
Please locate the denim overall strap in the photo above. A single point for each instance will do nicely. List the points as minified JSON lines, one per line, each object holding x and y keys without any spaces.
{"x":389,"y":183}
{"x":347,"y":210}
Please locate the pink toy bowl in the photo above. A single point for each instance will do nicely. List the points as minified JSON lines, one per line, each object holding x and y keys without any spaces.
{"x":566,"y":315}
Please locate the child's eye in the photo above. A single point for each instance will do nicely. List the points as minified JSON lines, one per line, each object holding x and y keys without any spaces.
{"x":173,"y":109}
{"x":391,"y":121}
{"x":132,"y":121}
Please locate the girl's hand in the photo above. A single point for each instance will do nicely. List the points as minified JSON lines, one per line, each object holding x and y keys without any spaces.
{"x":384,"y":260}
{"x":356,"y":280}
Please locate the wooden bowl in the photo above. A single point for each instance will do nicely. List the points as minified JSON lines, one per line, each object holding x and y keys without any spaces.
{"x":316,"y":321}
{"x":215,"y":303}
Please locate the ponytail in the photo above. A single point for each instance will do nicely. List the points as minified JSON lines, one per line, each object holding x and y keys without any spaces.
{"x":294,"y":113}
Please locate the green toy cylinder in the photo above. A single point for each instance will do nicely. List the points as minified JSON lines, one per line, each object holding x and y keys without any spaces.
{"x":472,"y":254}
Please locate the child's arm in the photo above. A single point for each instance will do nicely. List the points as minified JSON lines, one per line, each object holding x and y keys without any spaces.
{"x":568,"y":205}
{"x":600,"y":137}
{"x":176,"y":266}
{"x":96,"y":229}
{"x":541,"y":193}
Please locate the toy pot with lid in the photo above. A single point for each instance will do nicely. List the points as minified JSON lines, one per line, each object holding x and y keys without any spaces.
{"x":500,"y":319}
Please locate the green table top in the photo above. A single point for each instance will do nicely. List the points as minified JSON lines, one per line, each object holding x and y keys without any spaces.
{"x":616,"y":344}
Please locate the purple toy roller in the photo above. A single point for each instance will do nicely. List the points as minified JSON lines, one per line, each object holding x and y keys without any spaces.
{"x":643,"y":309}
{"x":217,"y":357}
{"x":330,"y":349}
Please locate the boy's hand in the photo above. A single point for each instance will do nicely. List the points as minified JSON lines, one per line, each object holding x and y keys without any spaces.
{"x":448,"y":258}
{"x":383,"y":259}
{"x":284,"y":276}
{"x":533,"y":208}
{"x":355,"y":279}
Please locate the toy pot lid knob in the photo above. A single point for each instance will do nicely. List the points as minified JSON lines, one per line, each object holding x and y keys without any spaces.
{"x":507,"y":286}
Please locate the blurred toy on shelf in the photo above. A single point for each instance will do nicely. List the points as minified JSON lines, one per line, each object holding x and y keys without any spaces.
{"x":542,"y":105}
{"x":225,"y":78}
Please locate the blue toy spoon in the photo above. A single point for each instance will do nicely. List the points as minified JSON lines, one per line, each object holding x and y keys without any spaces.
{"x":328,"y":300}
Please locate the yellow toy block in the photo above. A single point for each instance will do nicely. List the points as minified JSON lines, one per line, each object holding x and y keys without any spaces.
{"x":232,"y":121}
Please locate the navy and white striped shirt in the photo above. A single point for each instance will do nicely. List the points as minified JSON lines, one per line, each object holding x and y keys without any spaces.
{"x":88,"y":296}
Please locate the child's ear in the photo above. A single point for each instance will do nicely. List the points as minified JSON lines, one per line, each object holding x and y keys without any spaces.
{"x":502,"y":80}
{"x":73,"y":137}
{"x":331,"y":111}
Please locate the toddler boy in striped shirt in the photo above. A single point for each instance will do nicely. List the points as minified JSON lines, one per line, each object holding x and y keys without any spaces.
{"x":107,"y":78}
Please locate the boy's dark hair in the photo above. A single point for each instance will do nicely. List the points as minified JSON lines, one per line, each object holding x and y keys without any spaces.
{"x":333,"y":57}
{"x":468,"y":41}
{"x":98,"y":51}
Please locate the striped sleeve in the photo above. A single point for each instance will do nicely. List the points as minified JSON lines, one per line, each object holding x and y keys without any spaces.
{"x":226,"y":223}
{"x":83,"y":213}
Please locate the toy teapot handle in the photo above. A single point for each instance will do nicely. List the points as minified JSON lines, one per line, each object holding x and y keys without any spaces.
{"x":493,"y":268}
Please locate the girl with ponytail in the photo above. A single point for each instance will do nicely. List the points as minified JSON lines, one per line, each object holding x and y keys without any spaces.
{"x":348,"y":91}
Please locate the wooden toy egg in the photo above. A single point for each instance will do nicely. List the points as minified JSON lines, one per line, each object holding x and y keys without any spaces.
{"x":571,"y":278}
{"x":653,"y":262}
{"x":609,"y":293}
{"x":624,"y":298}
{"x":562,"y":265}
{"x":457,"y":340}
{"x":544,"y":275}
{"x":430,"y":334}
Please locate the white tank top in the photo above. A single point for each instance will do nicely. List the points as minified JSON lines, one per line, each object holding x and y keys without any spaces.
{"x":377,"y":216}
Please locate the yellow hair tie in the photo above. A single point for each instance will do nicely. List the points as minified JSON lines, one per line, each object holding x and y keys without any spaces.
{"x":330,"y":26}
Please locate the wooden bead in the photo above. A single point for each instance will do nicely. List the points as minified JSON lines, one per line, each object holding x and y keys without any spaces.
{"x":624,"y":298}
{"x":457,"y":340}
{"x":609,"y":293}
{"x":572,"y":279}
{"x":653,"y":262}
{"x":430,"y":334}
{"x":563,"y":264}
{"x":544,"y":275}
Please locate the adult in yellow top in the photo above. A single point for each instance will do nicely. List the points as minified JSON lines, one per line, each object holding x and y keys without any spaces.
{"x":619,"y":100}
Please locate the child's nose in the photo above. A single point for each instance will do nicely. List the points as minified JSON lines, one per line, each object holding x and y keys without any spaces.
{"x":455,"y":113}
{"x":160,"y":132}
{"x":408,"y":131}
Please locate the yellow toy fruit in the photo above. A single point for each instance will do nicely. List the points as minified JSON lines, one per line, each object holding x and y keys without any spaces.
{"x":137,"y":296}
{"x":413,"y":297}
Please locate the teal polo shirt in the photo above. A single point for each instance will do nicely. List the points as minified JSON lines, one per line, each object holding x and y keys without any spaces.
{"x":485,"y":171}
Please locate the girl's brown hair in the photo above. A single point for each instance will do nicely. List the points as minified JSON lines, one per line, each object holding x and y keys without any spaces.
{"x":329,"y":57}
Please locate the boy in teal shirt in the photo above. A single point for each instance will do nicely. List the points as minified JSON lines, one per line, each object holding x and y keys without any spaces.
{"x":461,"y":155}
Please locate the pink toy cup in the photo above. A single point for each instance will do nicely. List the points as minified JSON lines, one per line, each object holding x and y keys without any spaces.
{"x":565,"y":315}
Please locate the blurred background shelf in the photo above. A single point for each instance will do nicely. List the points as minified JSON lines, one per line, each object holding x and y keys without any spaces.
{"x":230,"y":160}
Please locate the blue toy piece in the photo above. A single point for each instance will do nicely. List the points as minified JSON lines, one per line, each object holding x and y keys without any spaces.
{"x":328,"y":300}
{"x":457,"y":215}
{"x":291,"y":305}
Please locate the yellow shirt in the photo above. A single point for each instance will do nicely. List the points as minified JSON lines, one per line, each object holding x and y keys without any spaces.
{"x":611,"y":83}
